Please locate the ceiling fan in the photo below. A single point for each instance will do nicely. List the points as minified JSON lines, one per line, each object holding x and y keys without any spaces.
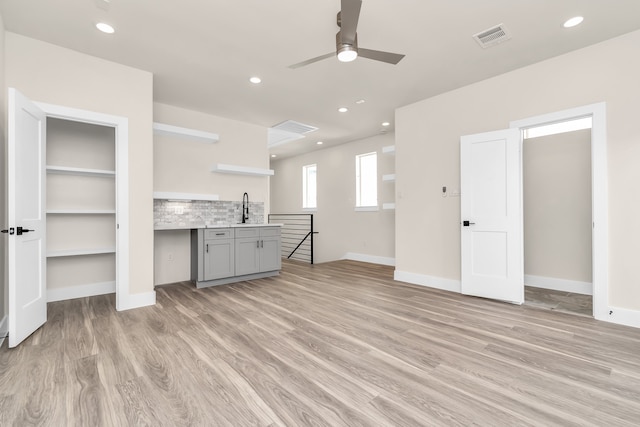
{"x":347,"y":39}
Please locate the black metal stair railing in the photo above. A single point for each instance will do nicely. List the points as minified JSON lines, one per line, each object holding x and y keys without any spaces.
{"x":297,"y":235}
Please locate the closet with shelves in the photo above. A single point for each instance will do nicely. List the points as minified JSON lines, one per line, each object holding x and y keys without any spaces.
{"x":81,"y":209}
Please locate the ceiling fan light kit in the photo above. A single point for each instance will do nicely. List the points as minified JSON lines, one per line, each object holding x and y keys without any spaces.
{"x":347,"y":39}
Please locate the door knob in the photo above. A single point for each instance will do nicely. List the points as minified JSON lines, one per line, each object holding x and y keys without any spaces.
{"x":467,"y":223}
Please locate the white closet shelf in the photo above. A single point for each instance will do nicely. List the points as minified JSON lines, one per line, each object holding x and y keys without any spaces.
{"x":79,"y":171}
{"x":81,"y":211}
{"x":80,"y":252}
{"x":202,"y":136}
{"x":389,"y":149}
{"x":388,"y":206}
{"x":240,"y":170}
{"x":168,"y":195}
{"x":389,"y":177}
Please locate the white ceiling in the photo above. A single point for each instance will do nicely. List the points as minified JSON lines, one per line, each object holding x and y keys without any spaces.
{"x":202,"y":52}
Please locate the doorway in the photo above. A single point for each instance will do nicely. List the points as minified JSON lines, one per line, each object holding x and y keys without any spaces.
{"x":556,"y":171}
{"x":599,"y":206}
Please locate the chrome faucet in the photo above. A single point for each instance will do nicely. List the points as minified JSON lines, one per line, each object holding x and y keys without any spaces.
{"x":245,"y":208}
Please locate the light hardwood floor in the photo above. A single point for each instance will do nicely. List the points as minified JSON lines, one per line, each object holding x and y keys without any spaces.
{"x":336,"y":344}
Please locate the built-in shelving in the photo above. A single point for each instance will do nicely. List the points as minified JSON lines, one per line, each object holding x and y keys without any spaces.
{"x":80,"y":252}
{"x":81,"y":211}
{"x":168,"y":195}
{"x":388,"y":206}
{"x":389,"y":177}
{"x":240,"y":170}
{"x":202,"y":136}
{"x":389,"y":149}
{"x":64,"y":170}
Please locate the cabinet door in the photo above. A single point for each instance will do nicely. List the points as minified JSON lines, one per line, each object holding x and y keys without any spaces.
{"x":270,"y":257}
{"x":247,"y":256}
{"x":218,"y":259}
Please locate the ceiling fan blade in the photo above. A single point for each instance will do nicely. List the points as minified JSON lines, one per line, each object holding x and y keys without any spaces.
{"x":349,"y":16}
{"x":312,"y":60}
{"x":378,"y":55}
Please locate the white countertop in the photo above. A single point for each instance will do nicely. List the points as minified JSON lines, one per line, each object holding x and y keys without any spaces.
{"x":193,"y":225}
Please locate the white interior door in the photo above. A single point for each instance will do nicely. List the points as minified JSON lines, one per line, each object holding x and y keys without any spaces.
{"x":26,"y":215}
{"x":491,"y":220}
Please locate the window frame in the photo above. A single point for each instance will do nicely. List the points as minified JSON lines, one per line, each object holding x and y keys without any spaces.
{"x":360,"y":206}
{"x":305,"y":187}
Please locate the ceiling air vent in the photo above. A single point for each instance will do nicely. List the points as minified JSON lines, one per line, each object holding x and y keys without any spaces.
{"x":492,"y":36}
{"x":294,"y":127}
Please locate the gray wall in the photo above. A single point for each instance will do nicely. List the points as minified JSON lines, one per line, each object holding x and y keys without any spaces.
{"x":557,"y":206}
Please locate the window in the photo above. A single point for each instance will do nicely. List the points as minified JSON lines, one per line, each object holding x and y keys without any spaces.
{"x":367,"y":180}
{"x":309,"y":185}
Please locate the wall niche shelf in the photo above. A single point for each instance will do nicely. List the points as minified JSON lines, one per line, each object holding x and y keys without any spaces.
{"x":80,"y":252}
{"x":240,"y":170}
{"x":184,"y":197}
{"x":170,"y":130}
{"x":389,"y":177}
{"x":64,"y":170}
{"x":389,"y":149}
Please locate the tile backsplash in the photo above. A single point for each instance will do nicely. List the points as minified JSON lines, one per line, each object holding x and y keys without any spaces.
{"x":167,"y":212}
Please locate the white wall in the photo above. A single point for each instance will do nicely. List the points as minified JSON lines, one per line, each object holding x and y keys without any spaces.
{"x":427,"y":154}
{"x":557,"y":206}
{"x":341,"y":230}
{"x":55,"y":75}
{"x":182,"y":165}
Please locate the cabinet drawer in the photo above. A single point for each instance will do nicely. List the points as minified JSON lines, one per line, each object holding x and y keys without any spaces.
{"x":247,"y":232}
{"x":270,"y":231}
{"x":218,"y":233}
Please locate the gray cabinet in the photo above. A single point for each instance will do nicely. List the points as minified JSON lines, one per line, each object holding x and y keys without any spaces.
{"x":227,"y":255}
{"x":257,"y":250}
{"x":219,"y":254}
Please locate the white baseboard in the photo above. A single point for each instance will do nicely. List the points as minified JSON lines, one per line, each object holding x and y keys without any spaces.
{"x":81,"y":291}
{"x":4,"y":329}
{"x":564,"y":285}
{"x":132,"y":301}
{"x":370,"y":258}
{"x":622,"y":316}
{"x":429,"y":281}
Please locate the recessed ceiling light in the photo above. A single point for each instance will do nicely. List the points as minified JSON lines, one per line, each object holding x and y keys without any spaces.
{"x":360,"y":101}
{"x":343,"y":109}
{"x":255,"y":80}
{"x":576,"y":20}
{"x":385,"y":124}
{"x":319,"y":142}
{"x":273,"y":155}
{"x":105,"y":28}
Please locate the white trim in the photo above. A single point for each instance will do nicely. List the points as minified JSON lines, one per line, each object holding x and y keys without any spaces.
{"x":367,"y":208}
{"x":450,"y":285}
{"x":121,"y":127}
{"x":623,"y":316}
{"x":573,"y":286}
{"x":168,"y":195}
{"x":139,"y":300}
{"x":309,"y":209}
{"x":199,"y":135}
{"x":80,"y":291}
{"x":599,"y":199}
{"x":374,"y":259}
{"x":240,"y":170}
{"x":4,"y":329}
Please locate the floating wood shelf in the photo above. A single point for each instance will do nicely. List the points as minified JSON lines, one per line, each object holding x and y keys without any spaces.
{"x":164,"y":129}
{"x":80,"y":252}
{"x":240,"y":170}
